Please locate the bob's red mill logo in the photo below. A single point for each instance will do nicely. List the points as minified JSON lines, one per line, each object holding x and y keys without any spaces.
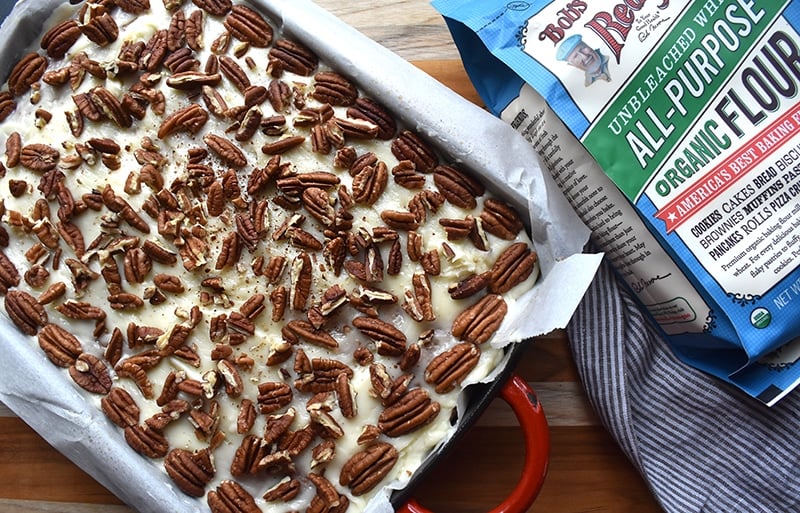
{"x":611,"y":27}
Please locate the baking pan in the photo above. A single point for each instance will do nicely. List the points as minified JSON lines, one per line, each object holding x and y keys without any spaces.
{"x":77,"y":429}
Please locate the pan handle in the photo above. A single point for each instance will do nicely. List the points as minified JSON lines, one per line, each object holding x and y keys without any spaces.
{"x":522,"y":399}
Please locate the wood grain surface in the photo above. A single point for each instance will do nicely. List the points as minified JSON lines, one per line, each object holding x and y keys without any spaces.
{"x":587,"y":473}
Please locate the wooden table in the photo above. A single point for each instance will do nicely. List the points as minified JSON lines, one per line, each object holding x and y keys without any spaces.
{"x":588,"y":472}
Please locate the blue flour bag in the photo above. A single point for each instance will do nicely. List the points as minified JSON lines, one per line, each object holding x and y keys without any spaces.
{"x":673,"y":128}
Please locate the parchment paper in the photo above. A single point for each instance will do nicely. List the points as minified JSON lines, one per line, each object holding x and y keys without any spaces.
{"x":45,"y":398}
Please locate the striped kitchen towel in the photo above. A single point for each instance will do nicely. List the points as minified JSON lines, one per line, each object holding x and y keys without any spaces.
{"x":701,"y":445}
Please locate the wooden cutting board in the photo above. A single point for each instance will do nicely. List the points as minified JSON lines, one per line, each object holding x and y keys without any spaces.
{"x":587,"y":473}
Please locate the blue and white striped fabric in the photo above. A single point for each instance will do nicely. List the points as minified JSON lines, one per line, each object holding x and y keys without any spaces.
{"x":702,"y":445}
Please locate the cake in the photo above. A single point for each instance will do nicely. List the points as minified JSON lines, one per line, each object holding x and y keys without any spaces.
{"x":275,"y":289}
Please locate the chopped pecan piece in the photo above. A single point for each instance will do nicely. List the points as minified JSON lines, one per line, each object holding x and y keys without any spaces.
{"x":366,"y":468}
{"x":284,"y":491}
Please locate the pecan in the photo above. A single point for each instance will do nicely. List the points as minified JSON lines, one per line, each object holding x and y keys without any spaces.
{"x":61,"y":347}
{"x":190,"y":471}
{"x":389,"y":339}
{"x":191,"y":80}
{"x":39,"y":157}
{"x":110,"y":106}
{"x":26,"y":313}
{"x":137,"y":265}
{"x":306,"y":331}
{"x":101,"y":29}
{"x":478,"y":323}
{"x":286,"y":55}
{"x":246,"y":417}
{"x":431,"y":263}
{"x":319,"y":204}
{"x":400,"y":220}
{"x":250,"y":452}
{"x":80,"y":310}
{"x":188,"y":119}
{"x":346,"y":396}
{"x":449,"y":368}
{"x":13,"y":149}
{"x":273,"y":395}
{"x":26,"y":72}
{"x":250,"y":123}
{"x":425,"y":201}
{"x":357,"y":128}
{"x":369,"y":110}
{"x":410,"y":146}
{"x":233,"y":72}
{"x":176,"y":33}
{"x":169,"y":283}
{"x":59,"y":39}
{"x":146,"y":441}
{"x":120,"y":407}
{"x":469,"y":286}
{"x":133,"y":6}
{"x":248,"y":26}
{"x":322,"y":374}
{"x":214,"y":7}
{"x":366,"y":468}
{"x":125,"y":301}
{"x":369,"y":183}
{"x":226,"y":150}
{"x":7,"y":104}
{"x":276,"y":426}
{"x":158,"y":253}
{"x":155,"y":51}
{"x":514,"y":265}
{"x":194,"y":30}
{"x":301,"y":279}
{"x":91,"y":374}
{"x":9,"y":276}
{"x":457,"y":187}
{"x":286,"y":490}
{"x":282,"y":145}
{"x":409,"y":413}
{"x":418,"y":301}
{"x":36,"y":276}
{"x":500,"y":219}
{"x":231,"y":377}
{"x":326,"y":492}
{"x":113,"y":351}
{"x":332,"y":88}
{"x":384,"y":388}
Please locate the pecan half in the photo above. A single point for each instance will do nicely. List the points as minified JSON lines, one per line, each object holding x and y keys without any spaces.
{"x":101,"y":28}
{"x":388,"y":338}
{"x":369,"y":110}
{"x":480,"y":321}
{"x":59,"y":39}
{"x":188,"y":119}
{"x":226,"y":150}
{"x":286,"y":490}
{"x":514,"y":265}
{"x":190,"y":471}
{"x":409,"y":413}
{"x":500,"y":219}
{"x":410,"y":146}
{"x":273,"y":395}
{"x":120,"y":407}
{"x":146,"y":441}
{"x":248,"y":26}
{"x":449,"y":368}
{"x":333,"y":88}
{"x":287,"y":55}
{"x":39,"y":157}
{"x":9,"y":275}
{"x":306,"y":331}
{"x":457,"y":187}
{"x":230,"y":496}
{"x":214,"y":7}
{"x":91,"y":374}
{"x":61,"y":347}
{"x":366,"y":468}
{"x":26,"y":313}
{"x":26,"y":72}
{"x":369,"y":183}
